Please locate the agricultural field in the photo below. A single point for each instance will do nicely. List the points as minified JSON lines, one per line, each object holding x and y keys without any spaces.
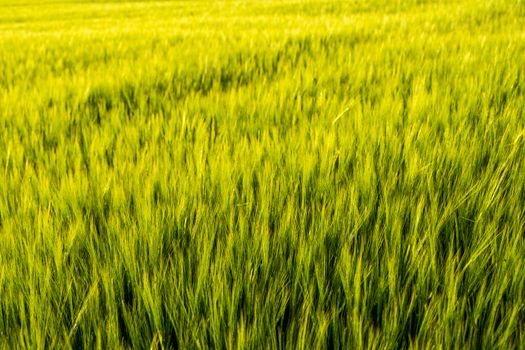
{"x":281,"y":174}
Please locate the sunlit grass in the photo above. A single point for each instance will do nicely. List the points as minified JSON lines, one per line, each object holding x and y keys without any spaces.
{"x":262,"y":174}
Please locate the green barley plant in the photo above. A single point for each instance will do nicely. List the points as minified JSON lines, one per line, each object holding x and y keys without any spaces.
{"x":282,"y":174}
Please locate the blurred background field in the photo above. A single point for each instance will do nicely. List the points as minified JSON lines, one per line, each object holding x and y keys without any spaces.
{"x":262,"y":174}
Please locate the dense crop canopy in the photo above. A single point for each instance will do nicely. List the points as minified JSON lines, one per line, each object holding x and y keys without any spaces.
{"x":262,"y":174}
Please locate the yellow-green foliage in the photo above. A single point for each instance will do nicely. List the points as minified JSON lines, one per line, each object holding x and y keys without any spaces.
{"x":262,"y":174}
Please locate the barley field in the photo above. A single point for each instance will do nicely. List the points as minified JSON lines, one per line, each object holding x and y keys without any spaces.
{"x":281,"y":174}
